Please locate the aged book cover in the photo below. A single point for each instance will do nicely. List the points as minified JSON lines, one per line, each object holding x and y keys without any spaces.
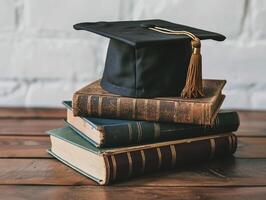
{"x":107,"y":165}
{"x":103,"y":132}
{"x":92,"y":100}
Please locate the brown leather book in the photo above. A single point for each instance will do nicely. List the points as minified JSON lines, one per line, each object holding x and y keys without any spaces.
{"x":107,"y":165}
{"x":92,"y":100}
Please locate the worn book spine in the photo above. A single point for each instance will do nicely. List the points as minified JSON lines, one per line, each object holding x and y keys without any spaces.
{"x":133,"y":163}
{"x":142,"y":109}
{"x":147,"y":132}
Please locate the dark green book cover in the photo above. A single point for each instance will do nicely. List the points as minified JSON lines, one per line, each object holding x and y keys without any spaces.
{"x":115,"y":132}
{"x":107,"y":165}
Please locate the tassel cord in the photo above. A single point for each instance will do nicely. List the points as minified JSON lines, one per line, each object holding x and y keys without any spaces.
{"x":193,"y":87}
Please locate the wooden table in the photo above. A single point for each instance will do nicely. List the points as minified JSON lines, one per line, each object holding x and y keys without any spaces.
{"x":28,"y":172}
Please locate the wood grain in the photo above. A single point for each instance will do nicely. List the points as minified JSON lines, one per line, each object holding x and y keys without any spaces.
{"x":20,"y":113}
{"x":39,"y":171}
{"x":36,"y":146}
{"x":251,"y":147}
{"x":28,"y":126}
{"x":24,"y":146}
{"x":119,"y":193}
{"x":226,"y":172}
{"x":28,"y":172}
{"x":247,"y":115}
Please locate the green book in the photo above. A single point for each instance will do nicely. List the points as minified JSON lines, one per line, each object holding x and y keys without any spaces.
{"x":103,"y":132}
{"x":108,"y":165}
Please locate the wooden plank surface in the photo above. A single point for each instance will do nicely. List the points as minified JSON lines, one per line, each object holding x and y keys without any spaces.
{"x":28,"y":172}
{"x":141,"y":193}
{"x":226,"y":172}
{"x":29,"y":113}
{"x":36,"y":146}
{"x":28,"y":126}
{"x":24,"y":146}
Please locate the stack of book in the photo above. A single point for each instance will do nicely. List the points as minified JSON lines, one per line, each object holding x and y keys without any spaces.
{"x":110,"y":137}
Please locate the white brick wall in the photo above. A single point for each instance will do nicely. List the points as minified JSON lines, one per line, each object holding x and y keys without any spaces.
{"x":7,"y":15}
{"x":43,"y":60}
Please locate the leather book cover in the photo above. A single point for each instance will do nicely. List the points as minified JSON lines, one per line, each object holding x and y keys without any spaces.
{"x":117,"y":132}
{"x":92,"y":100}
{"x":126,"y":162}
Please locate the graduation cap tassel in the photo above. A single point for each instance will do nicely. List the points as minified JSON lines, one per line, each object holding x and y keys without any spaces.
{"x":193,"y":87}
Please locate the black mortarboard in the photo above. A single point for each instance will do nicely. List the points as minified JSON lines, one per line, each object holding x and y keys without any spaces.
{"x":151,"y":58}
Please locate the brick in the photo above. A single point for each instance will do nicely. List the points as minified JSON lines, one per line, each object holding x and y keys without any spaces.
{"x":43,"y":61}
{"x":12,"y":93}
{"x":221,"y":16}
{"x":257,"y":21}
{"x":51,"y":58}
{"x":7,"y":15}
{"x":237,"y":63}
{"x":237,"y":99}
{"x":49,"y":93}
{"x":62,"y":14}
{"x":6,"y":48}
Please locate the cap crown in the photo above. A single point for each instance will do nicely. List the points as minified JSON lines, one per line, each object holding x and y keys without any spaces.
{"x":144,"y":63}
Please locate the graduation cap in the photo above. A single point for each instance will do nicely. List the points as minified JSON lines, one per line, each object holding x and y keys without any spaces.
{"x":152,"y":58}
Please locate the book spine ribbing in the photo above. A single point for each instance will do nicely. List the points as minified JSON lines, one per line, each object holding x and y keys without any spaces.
{"x":141,"y":109}
{"x":129,"y":164}
{"x":144,"y":132}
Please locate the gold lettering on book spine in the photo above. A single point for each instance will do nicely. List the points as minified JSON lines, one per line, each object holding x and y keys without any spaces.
{"x":202,"y":113}
{"x":192,"y":113}
{"x":89,"y":104}
{"x":100,"y":106}
{"x":156,"y":130}
{"x":159,"y":153}
{"x":134,"y":101}
{"x":139,"y":131}
{"x":129,"y":164}
{"x":176,"y":112}
{"x":146,"y":109}
{"x":206,"y":116}
{"x":173,"y":155}
{"x":143,"y":159}
{"x":209,"y":113}
{"x":118,"y":107}
{"x":114,"y":166}
{"x":157,"y":110}
{"x":129,"y":132}
{"x":212,"y":142}
{"x":206,"y":111}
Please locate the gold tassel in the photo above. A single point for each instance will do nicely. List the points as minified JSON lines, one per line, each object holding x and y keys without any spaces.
{"x":193,"y":87}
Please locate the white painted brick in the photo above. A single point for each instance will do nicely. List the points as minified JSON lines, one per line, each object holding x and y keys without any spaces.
{"x":239,"y":64}
{"x":49,"y":94}
{"x":52,"y":58}
{"x":7,"y":15}
{"x":6,"y":48}
{"x":12,"y":93}
{"x":258,"y":99}
{"x":221,"y":16}
{"x":258,"y":24}
{"x":43,"y":60}
{"x":62,"y":14}
{"x":236,"y":99}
